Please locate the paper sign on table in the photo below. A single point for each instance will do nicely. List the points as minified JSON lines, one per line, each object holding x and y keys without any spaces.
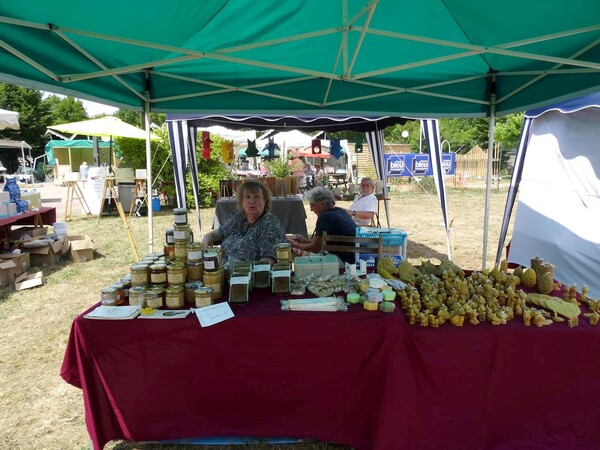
{"x":210,"y":315}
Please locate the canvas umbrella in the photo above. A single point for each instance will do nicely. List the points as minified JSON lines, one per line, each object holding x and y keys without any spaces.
{"x":9,"y":119}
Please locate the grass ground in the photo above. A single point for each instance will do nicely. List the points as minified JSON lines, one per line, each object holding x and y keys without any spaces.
{"x":40,"y":410}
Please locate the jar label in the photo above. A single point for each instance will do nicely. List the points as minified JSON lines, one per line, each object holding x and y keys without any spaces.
{"x":205,"y":300}
{"x":195,"y":255}
{"x":209,"y":264}
{"x":176,"y":278}
{"x":174,"y":300}
{"x":180,"y":219}
{"x":179,"y":235}
{"x":158,"y":278}
{"x":170,"y":239}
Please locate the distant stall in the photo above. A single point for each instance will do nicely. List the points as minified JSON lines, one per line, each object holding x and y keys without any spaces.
{"x":72,"y":153}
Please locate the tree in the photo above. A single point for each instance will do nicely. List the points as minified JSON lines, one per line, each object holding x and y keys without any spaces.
{"x":34,"y":114}
{"x":65,"y":110}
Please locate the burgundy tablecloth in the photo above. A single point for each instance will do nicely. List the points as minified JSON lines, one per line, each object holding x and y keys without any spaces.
{"x":365,"y":379}
{"x":337,"y":377}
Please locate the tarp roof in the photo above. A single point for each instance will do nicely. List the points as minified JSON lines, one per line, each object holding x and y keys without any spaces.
{"x":7,"y":143}
{"x":381,"y":57}
{"x":75,"y":143}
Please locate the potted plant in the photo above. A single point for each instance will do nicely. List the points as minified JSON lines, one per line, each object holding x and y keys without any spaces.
{"x":280,"y":169}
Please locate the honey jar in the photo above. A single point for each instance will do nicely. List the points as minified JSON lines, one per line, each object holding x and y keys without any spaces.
{"x":174,"y":297}
{"x":180,"y":216}
{"x":194,"y":252}
{"x":176,"y":274}
{"x":203,"y":296}
{"x":109,"y":296}
{"x":136,"y":296}
{"x":181,"y":233}
{"x":181,"y":250}
{"x":158,"y":274}
{"x":190,"y":291}
{"x":169,"y":236}
{"x":214,"y":280}
{"x":153,"y":300}
{"x":284,"y":252}
{"x":140,"y":275}
{"x":195,"y":271}
{"x":211,"y":261}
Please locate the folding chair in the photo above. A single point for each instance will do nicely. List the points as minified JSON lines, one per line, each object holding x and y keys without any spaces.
{"x":352,"y":244}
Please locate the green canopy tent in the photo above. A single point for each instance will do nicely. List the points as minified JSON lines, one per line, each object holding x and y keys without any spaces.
{"x":431,"y":58}
{"x":72,"y":152}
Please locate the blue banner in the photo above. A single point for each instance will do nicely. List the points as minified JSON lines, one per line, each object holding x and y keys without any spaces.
{"x":416,"y":164}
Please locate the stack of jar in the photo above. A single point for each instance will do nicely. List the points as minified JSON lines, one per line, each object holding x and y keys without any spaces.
{"x":117,"y":293}
{"x":148,"y":282}
{"x":213,"y":271}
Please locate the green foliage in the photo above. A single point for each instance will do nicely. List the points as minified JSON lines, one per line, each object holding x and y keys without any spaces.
{"x":508,"y":131}
{"x":135,"y":118}
{"x":34,"y":115}
{"x":65,"y":110}
{"x":278,"y":168}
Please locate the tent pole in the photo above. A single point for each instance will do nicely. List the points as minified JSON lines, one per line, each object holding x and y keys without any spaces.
{"x":149,"y":176}
{"x":490,"y":161}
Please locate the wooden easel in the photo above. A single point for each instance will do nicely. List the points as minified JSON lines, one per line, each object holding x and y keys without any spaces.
{"x":74,"y":191}
{"x":109,"y":188}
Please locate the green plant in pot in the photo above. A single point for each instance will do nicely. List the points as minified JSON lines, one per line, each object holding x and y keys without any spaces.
{"x":280,"y":169}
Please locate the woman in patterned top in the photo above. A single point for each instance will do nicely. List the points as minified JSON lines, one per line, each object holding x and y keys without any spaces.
{"x":253,"y":233}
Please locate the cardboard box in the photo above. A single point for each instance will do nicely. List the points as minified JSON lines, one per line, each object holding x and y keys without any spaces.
{"x":47,"y":255}
{"x":11,"y":266}
{"x":28,"y":281}
{"x":27,"y":233}
{"x":370,"y":258}
{"x":81,"y":248}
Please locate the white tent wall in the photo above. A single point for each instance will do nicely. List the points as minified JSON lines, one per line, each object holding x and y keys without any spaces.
{"x":558,"y":212}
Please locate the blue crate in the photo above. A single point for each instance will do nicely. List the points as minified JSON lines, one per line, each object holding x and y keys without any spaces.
{"x":370,"y":258}
{"x":391,"y":236}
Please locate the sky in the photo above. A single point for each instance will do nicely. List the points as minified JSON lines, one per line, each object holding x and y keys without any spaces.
{"x":92,"y":108}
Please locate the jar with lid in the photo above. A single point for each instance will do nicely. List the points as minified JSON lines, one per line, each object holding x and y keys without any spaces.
{"x":174,"y":297}
{"x":120,"y":288}
{"x":195,"y":271}
{"x":158,"y":274}
{"x":136,"y":296}
{"x":214,"y":280}
{"x":190,"y":288}
{"x":176,"y":274}
{"x":126,"y":280}
{"x":284,"y":252}
{"x":153,"y":300}
{"x":158,"y":290}
{"x":169,"y":250}
{"x":180,"y":216}
{"x":211,"y":261}
{"x":181,"y":233}
{"x":140,"y":275}
{"x":219,"y":253}
{"x":194,"y":252}
{"x":169,"y":236}
{"x":109,"y":296}
{"x":181,"y":251}
{"x":203,"y":296}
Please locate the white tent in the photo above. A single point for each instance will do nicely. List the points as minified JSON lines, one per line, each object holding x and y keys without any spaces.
{"x":557,"y":175}
{"x":9,"y":119}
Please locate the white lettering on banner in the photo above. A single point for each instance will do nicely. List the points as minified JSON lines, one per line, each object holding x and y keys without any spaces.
{"x":421,"y":165}
{"x":447,"y":165}
{"x":397,"y":165}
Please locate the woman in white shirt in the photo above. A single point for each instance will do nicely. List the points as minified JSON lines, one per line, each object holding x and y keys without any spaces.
{"x":365,"y":205}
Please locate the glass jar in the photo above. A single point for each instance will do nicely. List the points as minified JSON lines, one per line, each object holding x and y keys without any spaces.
{"x":126,"y":280}
{"x":194,"y":252}
{"x":109,"y":296}
{"x":203,"y":296}
{"x":195,"y":271}
{"x":214,"y":280}
{"x":136,"y":296}
{"x":120,"y":288}
{"x":180,"y":216}
{"x":284,"y":252}
{"x":181,"y":233}
{"x":169,"y":236}
{"x":181,"y":251}
{"x":140,"y":275}
{"x":190,"y":288}
{"x":176,"y":274}
{"x":174,"y":297}
{"x":153,"y":300}
{"x":211,"y":261}
{"x":158,"y":290}
{"x":169,"y":250}
{"x":158,"y":274}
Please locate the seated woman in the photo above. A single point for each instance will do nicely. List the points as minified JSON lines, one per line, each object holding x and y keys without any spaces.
{"x":254,"y":232}
{"x":330,"y":219}
{"x":365,"y":204}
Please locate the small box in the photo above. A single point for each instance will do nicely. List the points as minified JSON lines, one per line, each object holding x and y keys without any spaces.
{"x":80,"y":248}
{"x":28,"y":281}
{"x":317,"y":264}
{"x":27,"y":233}
{"x":370,"y":258}
{"x":47,"y":255}
{"x":11,"y":266}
